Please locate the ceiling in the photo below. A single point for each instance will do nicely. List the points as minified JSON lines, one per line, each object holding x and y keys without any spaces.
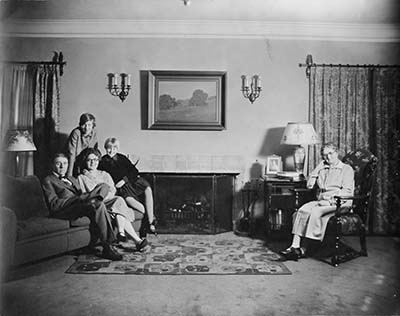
{"x":345,"y":19}
{"x":343,"y":11}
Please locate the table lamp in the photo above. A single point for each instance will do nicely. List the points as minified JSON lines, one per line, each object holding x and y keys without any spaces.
{"x":300,"y":134}
{"x":18,"y":141}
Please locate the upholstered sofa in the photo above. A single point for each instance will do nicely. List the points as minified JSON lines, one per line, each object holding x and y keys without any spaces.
{"x":37,"y":234}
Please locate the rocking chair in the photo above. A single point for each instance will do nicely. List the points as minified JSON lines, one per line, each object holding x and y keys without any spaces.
{"x":352,"y":220}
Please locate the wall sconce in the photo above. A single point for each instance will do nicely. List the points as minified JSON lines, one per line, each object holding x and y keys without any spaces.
{"x":121,"y":91}
{"x":251,"y":92}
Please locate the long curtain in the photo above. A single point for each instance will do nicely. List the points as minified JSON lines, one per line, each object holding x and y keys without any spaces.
{"x":358,"y":107}
{"x":46,"y":119}
{"x":30,"y":100}
{"x":386,"y":121}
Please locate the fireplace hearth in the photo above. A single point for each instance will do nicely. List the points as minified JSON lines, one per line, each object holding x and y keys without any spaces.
{"x":192,"y":203}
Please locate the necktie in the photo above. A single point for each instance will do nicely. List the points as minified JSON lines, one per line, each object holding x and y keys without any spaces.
{"x":65,"y":180}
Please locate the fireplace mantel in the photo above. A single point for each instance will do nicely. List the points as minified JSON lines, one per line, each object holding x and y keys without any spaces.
{"x":190,"y":164}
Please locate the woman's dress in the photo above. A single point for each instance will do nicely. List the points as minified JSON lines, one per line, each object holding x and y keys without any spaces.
{"x":121,"y":168}
{"x":312,"y":218}
{"x":115,"y":204}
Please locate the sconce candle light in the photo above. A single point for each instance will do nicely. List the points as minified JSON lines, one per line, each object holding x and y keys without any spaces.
{"x":121,"y":91}
{"x":252,"y":91}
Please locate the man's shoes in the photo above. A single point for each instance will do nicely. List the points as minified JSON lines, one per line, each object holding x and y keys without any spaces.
{"x":110,"y":253}
{"x":142,"y":244}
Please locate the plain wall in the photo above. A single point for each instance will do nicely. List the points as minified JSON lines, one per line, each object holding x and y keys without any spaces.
{"x":253,"y":130}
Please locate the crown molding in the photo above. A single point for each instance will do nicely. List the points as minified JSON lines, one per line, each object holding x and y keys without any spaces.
{"x":78,"y":28}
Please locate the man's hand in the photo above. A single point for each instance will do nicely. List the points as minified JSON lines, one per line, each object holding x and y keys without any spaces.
{"x":94,"y":202}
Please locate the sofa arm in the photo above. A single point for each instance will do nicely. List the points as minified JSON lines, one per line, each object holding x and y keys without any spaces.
{"x":8,"y":236}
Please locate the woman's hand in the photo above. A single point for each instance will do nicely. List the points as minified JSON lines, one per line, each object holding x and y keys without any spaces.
{"x":324,"y":203}
{"x":327,"y":201}
{"x":120,"y":184}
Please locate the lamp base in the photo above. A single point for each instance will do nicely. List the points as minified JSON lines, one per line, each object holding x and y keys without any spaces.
{"x":17,"y":166}
{"x":299,"y":157}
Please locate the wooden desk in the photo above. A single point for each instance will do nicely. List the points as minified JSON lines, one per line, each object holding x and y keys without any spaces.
{"x":280,"y":204}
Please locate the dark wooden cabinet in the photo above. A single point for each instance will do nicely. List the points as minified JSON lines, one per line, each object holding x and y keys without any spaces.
{"x":280,"y":204}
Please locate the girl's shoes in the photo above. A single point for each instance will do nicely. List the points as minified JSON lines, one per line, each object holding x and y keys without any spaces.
{"x":142,"y":244}
{"x":152,"y":228}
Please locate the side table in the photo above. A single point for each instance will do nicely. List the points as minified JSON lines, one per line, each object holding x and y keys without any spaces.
{"x":280,"y":204}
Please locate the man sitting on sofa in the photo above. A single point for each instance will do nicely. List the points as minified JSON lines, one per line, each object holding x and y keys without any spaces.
{"x":66,"y":201}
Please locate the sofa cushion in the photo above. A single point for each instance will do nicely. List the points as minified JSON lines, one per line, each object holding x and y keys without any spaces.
{"x":81,"y":221}
{"x":24,"y":196}
{"x":37,"y":226}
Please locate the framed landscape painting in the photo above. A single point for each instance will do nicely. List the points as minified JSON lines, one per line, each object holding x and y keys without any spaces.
{"x":186,"y":100}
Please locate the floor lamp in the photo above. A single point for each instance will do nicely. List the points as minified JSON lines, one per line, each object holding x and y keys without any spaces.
{"x":299,"y":134}
{"x":19,"y":141}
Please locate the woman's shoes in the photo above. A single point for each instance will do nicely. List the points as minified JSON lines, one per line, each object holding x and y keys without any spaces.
{"x":286,"y":251}
{"x":121,"y":237}
{"x":292,"y":253}
{"x":142,"y":244}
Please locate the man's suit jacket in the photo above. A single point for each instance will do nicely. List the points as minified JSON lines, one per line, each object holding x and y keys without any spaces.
{"x":59,"y":194}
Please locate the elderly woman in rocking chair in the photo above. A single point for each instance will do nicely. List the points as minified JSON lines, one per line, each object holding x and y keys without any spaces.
{"x":332,"y":177}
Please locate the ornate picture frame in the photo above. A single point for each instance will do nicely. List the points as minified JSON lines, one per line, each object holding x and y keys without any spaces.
{"x":186,"y":100}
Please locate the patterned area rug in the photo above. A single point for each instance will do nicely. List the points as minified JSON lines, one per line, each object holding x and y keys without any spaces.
{"x":187,"y":254}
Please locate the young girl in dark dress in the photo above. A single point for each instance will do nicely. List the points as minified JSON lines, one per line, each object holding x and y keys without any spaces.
{"x":134,"y":189}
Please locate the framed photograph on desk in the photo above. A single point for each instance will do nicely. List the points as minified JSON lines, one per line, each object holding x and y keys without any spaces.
{"x":274,"y":164}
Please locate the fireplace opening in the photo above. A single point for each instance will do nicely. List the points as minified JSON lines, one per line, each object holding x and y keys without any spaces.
{"x":193,"y":203}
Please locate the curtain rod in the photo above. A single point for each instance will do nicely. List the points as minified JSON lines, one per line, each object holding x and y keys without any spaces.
{"x":350,"y":66}
{"x":35,"y":62}
{"x":58,"y":59}
{"x":309,"y":64}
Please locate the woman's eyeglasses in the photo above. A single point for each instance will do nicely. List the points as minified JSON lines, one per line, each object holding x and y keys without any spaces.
{"x":329,"y":153}
{"x":92,"y":159}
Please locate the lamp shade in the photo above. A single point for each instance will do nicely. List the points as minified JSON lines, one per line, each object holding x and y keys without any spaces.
{"x":299,"y":133}
{"x":19,"y":140}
